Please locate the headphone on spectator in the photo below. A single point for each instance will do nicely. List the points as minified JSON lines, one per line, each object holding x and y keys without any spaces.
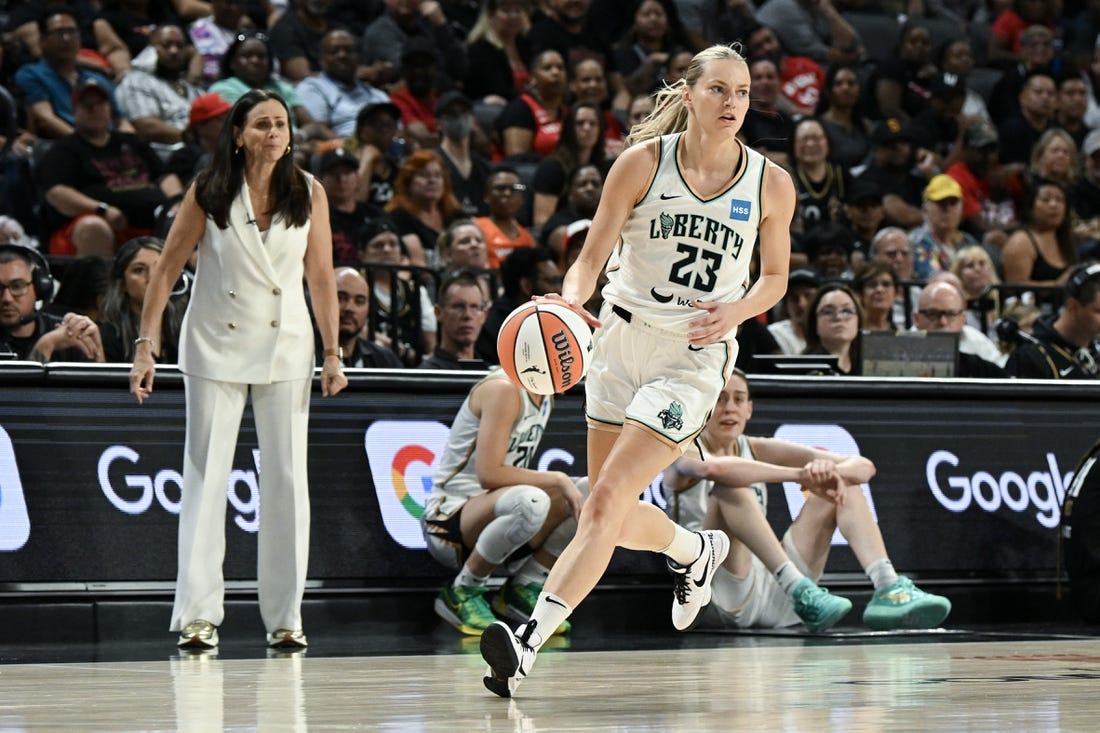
{"x":1077,"y":280}
{"x":40,"y":270}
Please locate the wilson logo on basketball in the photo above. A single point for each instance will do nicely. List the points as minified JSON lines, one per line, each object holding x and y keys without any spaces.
{"x":563,"y":346}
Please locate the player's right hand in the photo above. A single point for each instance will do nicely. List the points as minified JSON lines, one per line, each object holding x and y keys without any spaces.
{"x":571,"y":304}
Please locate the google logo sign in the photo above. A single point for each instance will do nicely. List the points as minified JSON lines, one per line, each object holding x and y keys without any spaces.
{"x":402,"y":457}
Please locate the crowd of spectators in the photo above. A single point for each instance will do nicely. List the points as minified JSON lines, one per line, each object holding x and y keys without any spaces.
{"x":938,"y":148}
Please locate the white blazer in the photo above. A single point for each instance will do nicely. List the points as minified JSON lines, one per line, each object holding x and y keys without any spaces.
{"x":247,"y":321}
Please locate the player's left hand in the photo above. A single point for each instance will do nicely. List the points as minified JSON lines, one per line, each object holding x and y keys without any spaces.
{"x":571,"y":304}
{"x":820,"y":477}
{"x":719,"y":319}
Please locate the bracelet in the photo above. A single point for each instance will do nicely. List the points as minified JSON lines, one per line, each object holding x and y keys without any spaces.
{"x":338,"y":352}
{"x":145,"y":340}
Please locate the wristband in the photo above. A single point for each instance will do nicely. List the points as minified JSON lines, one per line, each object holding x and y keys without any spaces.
{"x":101,"y":208}
{"x":145,"y":340}
{"x":338,"y":352}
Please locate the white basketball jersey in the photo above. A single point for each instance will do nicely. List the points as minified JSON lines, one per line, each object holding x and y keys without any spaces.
{"x":688,"y":508}
{"x":456,"y":474}
{"x":676,"y":247}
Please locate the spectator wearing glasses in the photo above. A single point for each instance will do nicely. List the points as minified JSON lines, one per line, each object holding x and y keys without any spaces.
{"x":246,"y":65}
{"x":460,"y":311}
{"x":890,"y":246}
{"x":834,"y":321}
{"x":936,"y":241}
{"x":48,"y":84}
{"x":941,"y":307}
{"x":877,"y":285}
{"x":26,"y":330}
{"x":503,"y":233}
{"x":1066,"y":346}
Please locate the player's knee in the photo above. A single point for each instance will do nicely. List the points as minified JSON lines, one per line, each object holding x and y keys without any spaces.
{"x":93,"y":237}
{"x":527,"y":505}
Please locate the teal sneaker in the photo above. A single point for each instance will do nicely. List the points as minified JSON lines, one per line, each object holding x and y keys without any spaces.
{"x":905,"y":606}
{"x":465,"y":608}
{"x":818,"y":608}
{"x":517,"y":602}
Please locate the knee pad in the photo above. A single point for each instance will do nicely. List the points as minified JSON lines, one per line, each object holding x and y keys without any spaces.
{"x":521,"y":511}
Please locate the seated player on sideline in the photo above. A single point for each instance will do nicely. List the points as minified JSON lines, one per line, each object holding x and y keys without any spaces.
{"x":488,"y":509}
{"x":763,"y":583}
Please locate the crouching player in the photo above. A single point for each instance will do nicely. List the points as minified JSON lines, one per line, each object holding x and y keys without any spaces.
{"x":488,"y":508}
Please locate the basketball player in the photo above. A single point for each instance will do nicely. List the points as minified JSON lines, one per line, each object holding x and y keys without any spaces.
{"x":487,"y":507}
{"x":682,"y":208}
{"x":763,"y":583}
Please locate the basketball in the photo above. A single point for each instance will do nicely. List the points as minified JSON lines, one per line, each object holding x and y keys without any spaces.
{"x":544,"y":347}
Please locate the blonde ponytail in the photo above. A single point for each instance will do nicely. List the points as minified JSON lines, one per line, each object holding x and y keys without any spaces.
{"x":669,"y":113}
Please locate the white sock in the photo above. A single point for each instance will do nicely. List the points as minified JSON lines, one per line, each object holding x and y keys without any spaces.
{"x":788,"y":576}
{"x":530,"y":572}
{"x":882,"y":573}
{"x":466,"y":578}
{"x":686,"y":546}
{"x":549,"y":612}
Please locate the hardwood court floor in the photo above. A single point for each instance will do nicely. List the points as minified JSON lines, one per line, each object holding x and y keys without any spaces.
{"x":717,"y":683}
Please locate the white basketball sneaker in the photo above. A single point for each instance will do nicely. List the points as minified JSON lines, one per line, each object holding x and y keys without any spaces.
{"x":692,"y":590}
{"x":509,"y":656}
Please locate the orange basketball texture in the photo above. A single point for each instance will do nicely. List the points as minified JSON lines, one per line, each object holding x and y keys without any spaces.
{"x":544,"y":347}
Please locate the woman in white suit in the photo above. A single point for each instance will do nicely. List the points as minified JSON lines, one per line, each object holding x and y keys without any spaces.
{"x":261,"y":226}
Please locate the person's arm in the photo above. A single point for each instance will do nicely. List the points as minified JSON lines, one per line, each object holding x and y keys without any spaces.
{"x":45,"y":122}
{"x":845,"y":46}
{"x":170,"y":185}
{"x":192,"y":9}
{"x":777,"y":203}
{"x":543,"y":208}
{"x":183,"y":237}
{"x":625,"y":182}
{"x":111,"y":48}
{"x":498,"y":404}
{"x":517,"y":140}
{"x":901,"y":212}
{"x":72,"y":203}
{"x":852,"y":469}
{"x":888,"y":97}
{"x":74,"y":332}
{"x":729,"y":470}
{"x":321,"y":280}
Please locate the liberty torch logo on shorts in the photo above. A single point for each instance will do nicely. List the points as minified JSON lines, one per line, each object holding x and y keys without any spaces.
{"x":402,"y":458}
{"x":15,"y":525}
{"x":826,"y":437}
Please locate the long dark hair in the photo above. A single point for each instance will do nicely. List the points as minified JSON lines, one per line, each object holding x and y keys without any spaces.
{"x":568,"y":149}
{"x":813,"y":339}
{"x":1064,"y":232}
{"x":116,"y":303}
{"x":217,"y":186}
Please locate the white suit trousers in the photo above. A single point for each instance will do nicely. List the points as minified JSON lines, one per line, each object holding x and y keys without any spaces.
{"x":214,"y":411}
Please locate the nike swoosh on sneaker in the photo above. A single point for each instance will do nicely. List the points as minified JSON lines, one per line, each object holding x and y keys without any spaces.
{"x":1065,"y":372}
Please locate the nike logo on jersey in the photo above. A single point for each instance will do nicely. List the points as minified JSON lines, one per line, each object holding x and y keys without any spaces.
{"x":659,"y":296}
{"x":666,"y":196}
{"x":694,"y":348}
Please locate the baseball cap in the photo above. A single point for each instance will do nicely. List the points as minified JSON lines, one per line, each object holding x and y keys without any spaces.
{"x":90,"y":84}
{"x":337,"y":156}
{"x":418,"y":48}
{"x":803,"y":276}
{"x":947,"y":85}
{"x":374,"y":227}
{"x":207,"y":107}
{"x":890,"y":130}
{"x":942,"y":187}
{"x":1091,"y":143}
{"x":980,"y":135}
{"x":449,"y":98}
{"x":861,"y":191}
{"x":371,"y":110}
